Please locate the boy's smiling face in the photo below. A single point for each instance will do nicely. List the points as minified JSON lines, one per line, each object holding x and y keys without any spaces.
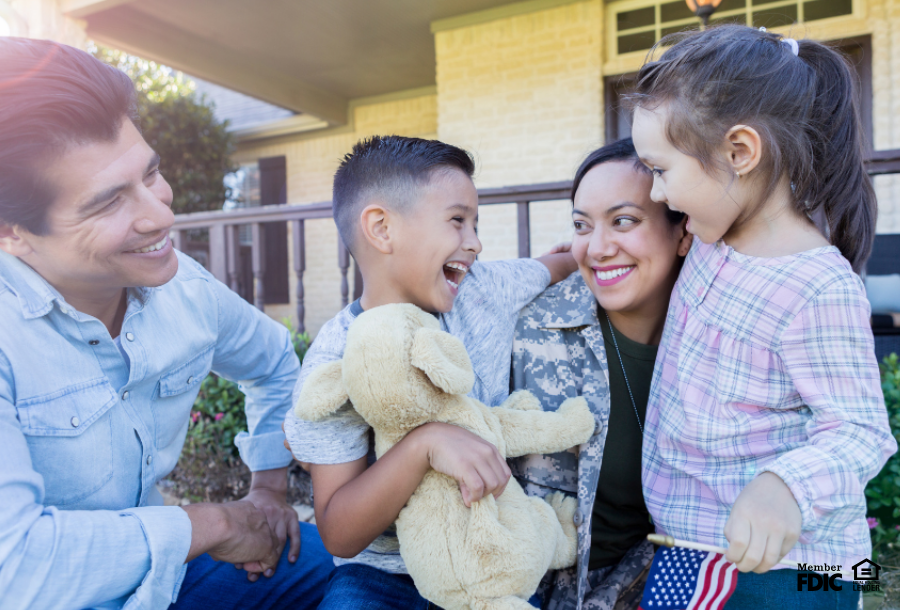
{"x":435,"y":241}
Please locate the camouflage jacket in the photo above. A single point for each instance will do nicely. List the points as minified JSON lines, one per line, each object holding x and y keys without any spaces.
{"x":558,"y":352}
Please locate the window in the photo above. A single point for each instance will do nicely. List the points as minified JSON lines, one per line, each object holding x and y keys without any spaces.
{"x":638,"y":24}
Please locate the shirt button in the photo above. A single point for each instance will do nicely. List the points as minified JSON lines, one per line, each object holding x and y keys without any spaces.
{"x":129,"y":336}
{"x":598,"y":428}
{"x":190,"y":380}
{"x":149,"y":460}
{"x":93,"y":342}
{"x":64,"y":310}
{"x":578,"y":519}
{"x":125,"y":395}
{"x":75,"y":422}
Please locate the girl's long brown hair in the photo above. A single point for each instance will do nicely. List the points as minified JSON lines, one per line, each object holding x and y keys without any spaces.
{"x":804,"y":107}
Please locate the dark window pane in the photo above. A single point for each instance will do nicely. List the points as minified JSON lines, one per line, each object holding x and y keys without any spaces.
{"x":635,"y":19}
{"x":636,"y":42}
{"x":672,"y":11}
{"x":731,"y":5}
{"x":775,"y":17}
{"x":735,"y":19}
{"x":822,"y":9}
{"x":679,"y":28}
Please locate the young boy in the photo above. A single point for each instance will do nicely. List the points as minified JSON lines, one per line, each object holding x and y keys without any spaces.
{"x":407,"y":209}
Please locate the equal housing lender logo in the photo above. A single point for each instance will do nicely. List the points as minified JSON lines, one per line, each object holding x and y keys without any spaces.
{"x":829,"y":577}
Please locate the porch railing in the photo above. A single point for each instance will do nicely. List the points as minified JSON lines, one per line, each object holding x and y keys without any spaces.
{"x":224,"y":241}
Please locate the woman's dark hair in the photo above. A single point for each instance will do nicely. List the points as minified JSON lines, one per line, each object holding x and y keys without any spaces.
{"x":620,"y":150}
{"x":804,"y":108}
{"x":53,"y":96}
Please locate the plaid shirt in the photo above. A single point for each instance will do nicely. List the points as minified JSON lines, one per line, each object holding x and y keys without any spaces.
{"x":766,"y":364}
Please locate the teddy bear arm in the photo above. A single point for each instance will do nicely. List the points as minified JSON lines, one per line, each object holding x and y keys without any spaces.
{"x":527,"y":432}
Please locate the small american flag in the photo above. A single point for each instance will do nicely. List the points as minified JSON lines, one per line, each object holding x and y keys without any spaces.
{"x":684,"y":579}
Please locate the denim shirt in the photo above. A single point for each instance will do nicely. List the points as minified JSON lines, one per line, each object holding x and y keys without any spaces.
{"x":86,"y":433}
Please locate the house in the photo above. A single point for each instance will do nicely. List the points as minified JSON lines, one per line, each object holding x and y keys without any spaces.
{"x":529,"y":87}
{"x":866,"y":570}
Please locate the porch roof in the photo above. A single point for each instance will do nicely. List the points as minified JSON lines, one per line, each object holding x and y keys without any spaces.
{"x":308,"y":56}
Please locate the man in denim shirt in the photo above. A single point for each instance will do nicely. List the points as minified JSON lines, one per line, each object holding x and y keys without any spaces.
{"x":106,"y":335}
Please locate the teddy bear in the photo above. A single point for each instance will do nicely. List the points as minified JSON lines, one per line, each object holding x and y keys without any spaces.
{"x":400,"y":371}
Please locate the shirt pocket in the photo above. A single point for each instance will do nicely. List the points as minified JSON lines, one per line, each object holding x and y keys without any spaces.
{"x":69,"y":435}
{"x":177,"y":391}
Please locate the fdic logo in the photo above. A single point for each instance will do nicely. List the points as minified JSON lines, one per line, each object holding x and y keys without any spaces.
{"x":865,"y":577}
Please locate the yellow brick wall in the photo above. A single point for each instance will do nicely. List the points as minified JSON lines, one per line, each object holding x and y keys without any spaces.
{"x":311,"y":163}
{"x":44,"y":19}
{"x":884,"y":20}
{"x":524,"y":95}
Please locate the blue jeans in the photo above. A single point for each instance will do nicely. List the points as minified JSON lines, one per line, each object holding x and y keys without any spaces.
{"x":298,"y":586}
{"x":777,"y":590}
{"x":354,"y":586}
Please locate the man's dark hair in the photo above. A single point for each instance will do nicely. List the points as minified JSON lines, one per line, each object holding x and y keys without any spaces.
{"x":53,"y":96}
{"x":392,"y":168}
{"x":620,"y":150}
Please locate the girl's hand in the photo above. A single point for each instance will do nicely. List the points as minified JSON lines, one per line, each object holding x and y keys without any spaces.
{"x":764,"y":524}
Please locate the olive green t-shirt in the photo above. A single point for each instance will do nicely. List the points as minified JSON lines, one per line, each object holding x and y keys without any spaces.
{"x":620,"y":517}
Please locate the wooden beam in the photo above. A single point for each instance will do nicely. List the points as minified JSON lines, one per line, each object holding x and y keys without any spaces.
{"x":524,"y":229}
{"x":883,"y":162}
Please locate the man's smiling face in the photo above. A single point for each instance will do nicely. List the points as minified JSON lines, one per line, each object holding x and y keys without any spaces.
{"x":109,"y":222}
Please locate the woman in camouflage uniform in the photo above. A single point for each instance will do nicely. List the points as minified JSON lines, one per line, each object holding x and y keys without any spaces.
{"x":595,"y":335}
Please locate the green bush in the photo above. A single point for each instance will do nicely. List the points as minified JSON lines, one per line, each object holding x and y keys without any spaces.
{"x":218,"y":412}
{"x":883,"y":492}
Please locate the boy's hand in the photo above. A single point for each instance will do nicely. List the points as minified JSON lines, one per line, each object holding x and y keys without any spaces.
{"x":764,"y":524}
{"x":565,"y":246}
{"x":560,"y":262}
{"x":475,"y":463}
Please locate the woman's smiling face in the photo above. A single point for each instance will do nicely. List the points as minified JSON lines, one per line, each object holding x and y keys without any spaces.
{"x":627,"y":249}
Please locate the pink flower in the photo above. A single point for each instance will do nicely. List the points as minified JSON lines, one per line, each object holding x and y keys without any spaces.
{"x":873,"y":522}
{"x":195,"y":416}
{"x":897,"y":527}
{"x":221,"y":415}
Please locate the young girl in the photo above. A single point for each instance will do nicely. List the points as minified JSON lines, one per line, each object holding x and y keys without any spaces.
{"x":766,"y":417}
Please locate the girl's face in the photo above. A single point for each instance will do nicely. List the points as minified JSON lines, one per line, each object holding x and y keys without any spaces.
{"x":680,"y":182}
{"x":627,"y":250}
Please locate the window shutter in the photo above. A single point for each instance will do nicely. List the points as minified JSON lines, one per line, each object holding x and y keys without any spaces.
{"x":273,"y":191}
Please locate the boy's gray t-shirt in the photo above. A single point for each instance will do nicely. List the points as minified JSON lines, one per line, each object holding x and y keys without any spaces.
{"x":483,"y":317}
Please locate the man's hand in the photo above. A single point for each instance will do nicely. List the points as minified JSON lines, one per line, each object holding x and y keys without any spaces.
{"x":268,"y":493}
{"x":236,"y":532}
{"x":475,"y":463}
{"x":764,"y":524}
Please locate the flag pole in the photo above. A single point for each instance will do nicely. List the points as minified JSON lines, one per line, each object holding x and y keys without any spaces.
{"x":668,"y":541}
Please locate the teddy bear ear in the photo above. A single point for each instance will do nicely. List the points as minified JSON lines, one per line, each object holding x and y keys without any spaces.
{"x":323,"y":392}
{"x":443,"y":358}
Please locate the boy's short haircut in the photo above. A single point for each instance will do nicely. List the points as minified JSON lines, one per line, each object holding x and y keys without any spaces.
{"x":392,"y":168}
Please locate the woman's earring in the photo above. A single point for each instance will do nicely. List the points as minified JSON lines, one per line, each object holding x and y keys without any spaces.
{"x":738,"y":173}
